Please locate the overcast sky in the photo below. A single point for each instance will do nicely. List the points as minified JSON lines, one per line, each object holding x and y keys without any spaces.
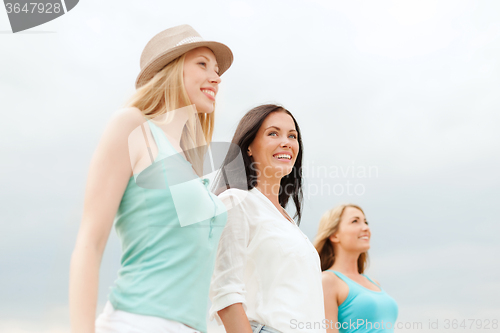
{"x":398,"y":102}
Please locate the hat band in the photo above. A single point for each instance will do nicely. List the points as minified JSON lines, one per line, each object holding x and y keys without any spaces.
{"x":189,"y":40}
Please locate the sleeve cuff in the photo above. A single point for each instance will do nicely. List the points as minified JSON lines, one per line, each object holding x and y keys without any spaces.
{"x":223,"y":302}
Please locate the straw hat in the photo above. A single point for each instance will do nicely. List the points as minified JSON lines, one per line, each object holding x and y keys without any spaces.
{"x":172,"y":43}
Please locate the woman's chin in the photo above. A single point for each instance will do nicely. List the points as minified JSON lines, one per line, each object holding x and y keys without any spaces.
{"x":280,"y":171}
{"x":205,"y":108}
{"x":207,"y":111}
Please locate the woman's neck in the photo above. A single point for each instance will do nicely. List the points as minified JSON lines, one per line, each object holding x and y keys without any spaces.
{"x":172,"y":123}
{"x":179,"y":118}
{"x":346,"y":262}
{"x":270,"y":187}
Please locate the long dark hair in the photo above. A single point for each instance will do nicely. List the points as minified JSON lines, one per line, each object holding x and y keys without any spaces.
{"x":290,"y":185}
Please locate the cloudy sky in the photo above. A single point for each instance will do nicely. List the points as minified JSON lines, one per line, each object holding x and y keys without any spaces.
{"x":398,"y":102}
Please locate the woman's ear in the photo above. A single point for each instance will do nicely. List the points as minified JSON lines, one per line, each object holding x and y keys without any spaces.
{"x":333,"y":238}
{"x":249,"y":152}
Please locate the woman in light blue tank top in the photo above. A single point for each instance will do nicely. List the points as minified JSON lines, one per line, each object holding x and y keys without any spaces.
{"x":353,"y":301}
{"x":145,"y":177}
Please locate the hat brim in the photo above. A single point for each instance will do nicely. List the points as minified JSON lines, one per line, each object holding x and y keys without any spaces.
{"x":222,"y":53}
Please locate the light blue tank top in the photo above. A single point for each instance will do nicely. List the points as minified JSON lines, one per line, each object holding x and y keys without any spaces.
{"x":169,"y":237}
{"x":365,"y":310}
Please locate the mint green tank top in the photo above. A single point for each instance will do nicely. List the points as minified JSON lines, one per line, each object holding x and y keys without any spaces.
{"x":365,"y":310}
{"x":169,"y":235}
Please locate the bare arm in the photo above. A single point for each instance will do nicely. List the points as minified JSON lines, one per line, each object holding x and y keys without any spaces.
{"x":331,"y":305}
{"x":109,"y":173}
{"x":235,"y":320}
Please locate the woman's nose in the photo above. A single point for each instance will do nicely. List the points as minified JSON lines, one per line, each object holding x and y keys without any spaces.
{"x":286,"y":142}
{"x":215,"y":78}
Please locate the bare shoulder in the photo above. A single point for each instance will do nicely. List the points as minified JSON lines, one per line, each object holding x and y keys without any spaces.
{"x":330,"y":282}
{"x":127,"y":119}
{"x":335,"y":286}
{"x":115,"y":141}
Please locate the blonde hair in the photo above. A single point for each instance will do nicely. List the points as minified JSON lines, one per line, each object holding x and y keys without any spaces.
{"x":166,"y":92}
{"x":328,"y":225}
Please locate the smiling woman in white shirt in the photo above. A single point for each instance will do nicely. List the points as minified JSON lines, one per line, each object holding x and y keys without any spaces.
{"x":267,"y":275}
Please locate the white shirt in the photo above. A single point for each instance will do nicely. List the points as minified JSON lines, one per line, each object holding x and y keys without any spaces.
{"x":268,"y":264}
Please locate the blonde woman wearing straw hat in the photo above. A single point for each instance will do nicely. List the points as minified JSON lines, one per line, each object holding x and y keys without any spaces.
{"x":353,"y":301}
{"x":169,"y":229}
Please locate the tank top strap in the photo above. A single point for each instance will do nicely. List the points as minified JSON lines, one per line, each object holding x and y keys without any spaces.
{"x":350,"y":283}
{"x":375,"y":283}
{"x":165,"y":148}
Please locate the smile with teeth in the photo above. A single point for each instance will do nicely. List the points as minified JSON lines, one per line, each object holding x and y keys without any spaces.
{"x":364,"y":237}
{"x":283,"y":156}
{"x":208,"y":91}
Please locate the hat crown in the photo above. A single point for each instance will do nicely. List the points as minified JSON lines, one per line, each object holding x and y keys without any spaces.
{"x":168,"y":39}
{"x":171,"y":44}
